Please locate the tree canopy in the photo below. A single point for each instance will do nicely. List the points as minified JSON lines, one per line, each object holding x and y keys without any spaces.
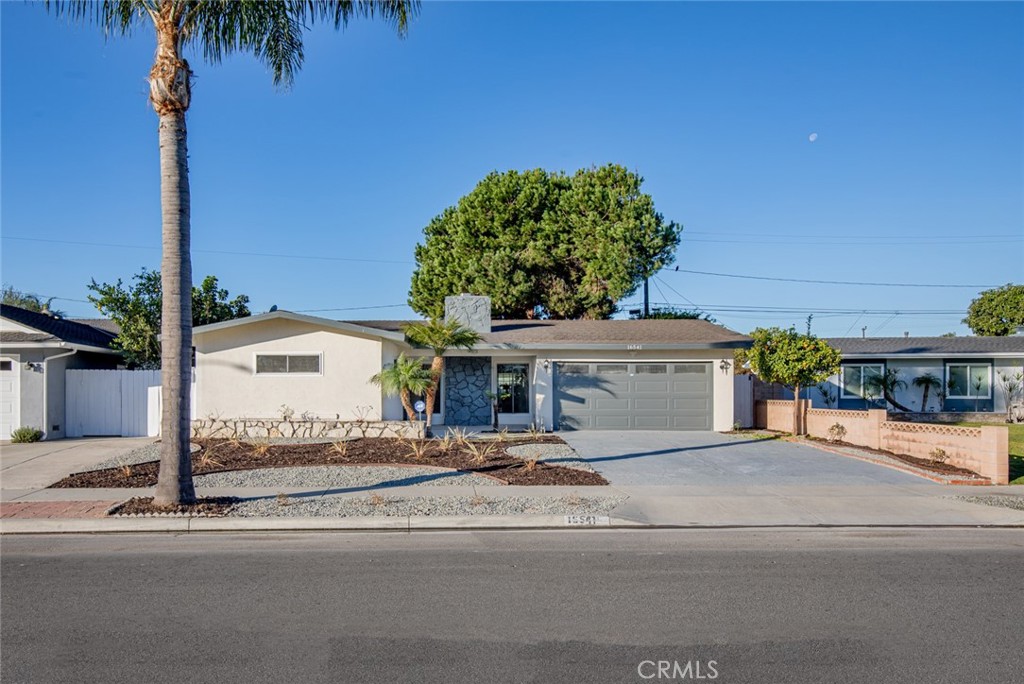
{"x":546,"y":244}
{"x":997,"y":312}
{"x":671,"y":313}
{"x":792,"y":359}
{"x":27,"y":300}
{"x":136,"y":309}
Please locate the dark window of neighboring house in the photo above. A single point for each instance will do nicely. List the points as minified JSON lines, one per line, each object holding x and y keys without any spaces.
{"x":514,"y":387}
{"x":969,"y":381}
{"x":855,"y":380}
{"x":6,"y":366}
{"x":291,"y":364}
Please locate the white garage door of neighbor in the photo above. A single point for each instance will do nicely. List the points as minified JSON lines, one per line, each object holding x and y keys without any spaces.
{"x":10,"y":398}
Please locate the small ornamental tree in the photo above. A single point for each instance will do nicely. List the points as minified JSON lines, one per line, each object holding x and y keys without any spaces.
{"x":404,"y":378}
{"x":438,"y":336}
{"x":793,"y":360}
{"x":997,"y":312}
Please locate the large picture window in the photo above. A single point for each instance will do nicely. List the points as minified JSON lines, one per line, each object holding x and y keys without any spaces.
{"x":969,"y":381}
{"x":288,"y":364}
{"x":514,"y":387}
{"x":856,"y":380}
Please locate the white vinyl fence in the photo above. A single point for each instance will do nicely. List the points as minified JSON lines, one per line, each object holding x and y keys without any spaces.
{"x":115,"y":403}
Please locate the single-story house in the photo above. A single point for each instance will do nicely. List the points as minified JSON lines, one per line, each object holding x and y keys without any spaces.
{"x":559,"y":374}
{"x":35,"y":351}
{"x":969,"y":371}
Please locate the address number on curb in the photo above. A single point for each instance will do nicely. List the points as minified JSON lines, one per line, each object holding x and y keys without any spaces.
{"x":585,"y":520}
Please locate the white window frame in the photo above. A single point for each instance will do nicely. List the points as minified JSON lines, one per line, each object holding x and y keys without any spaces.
{"x":970,"y":365}
{"x":842,"y":378}
{"x":319,"y":355}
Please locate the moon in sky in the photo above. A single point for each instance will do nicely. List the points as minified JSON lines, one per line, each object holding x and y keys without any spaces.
{"x":812,"y":137}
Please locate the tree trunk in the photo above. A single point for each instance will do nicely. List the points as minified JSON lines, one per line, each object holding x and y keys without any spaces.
{"x":436,"y":371}
{"x":170,"y":95}
{"x":796,"y":411}
{"x":407,"y":403}
{"x":889,"y":397}
{"x":174,"y":483}
{"x":924,"y":399}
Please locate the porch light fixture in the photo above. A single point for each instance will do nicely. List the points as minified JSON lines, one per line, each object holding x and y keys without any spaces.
{"x":725,"y":365}
{"x":546,"y":363}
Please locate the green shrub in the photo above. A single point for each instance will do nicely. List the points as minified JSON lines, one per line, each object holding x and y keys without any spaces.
{"x":24,"y":435}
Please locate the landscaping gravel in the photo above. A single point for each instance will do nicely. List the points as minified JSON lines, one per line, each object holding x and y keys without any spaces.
{"x":384,"y":506}
{"x":552,"y":454}
{"x":144,"y":454}
{"x":1008,"y":501}
{"x":344,"y":477}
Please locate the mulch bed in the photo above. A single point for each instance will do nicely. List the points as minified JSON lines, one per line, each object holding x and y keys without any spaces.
{"x":205,"y":507}
{"x":923,"y":463}
{"x":216,"y":456}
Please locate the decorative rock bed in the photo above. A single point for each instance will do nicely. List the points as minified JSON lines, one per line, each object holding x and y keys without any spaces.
{"x":384,"y":506}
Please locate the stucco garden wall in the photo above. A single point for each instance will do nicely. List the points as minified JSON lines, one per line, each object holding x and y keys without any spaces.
{"x":271,"y":428}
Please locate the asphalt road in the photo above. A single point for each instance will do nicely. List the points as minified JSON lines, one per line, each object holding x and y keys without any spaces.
{"x":597,"y":606}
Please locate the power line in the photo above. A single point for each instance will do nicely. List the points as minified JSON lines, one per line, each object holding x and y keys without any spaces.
{"x":826,"y":282}
{"x":351,"y":308}
{"x":213,"y":251}
{"x":876,"y":236}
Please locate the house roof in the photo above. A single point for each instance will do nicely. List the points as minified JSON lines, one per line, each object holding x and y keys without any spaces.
{"x":1012,"y":345}
{"x":590,"y":333}
{"x":52,"y":329}
{"x":540,"y":334}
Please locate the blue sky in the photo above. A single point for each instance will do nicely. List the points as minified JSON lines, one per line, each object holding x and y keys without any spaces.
{"x":916,"y":175}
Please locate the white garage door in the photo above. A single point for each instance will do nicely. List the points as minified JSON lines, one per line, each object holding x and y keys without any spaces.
{"x":10,"y":398}
{"x":634,"y":396}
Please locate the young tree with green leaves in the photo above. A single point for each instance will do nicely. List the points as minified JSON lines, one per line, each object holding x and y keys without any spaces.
{"x":793,"y":360}
{"x":543,"y":243}
{"x":137,"y":310}
{"x":998,"y":312}
{"x":404,"y":378}
{"x":439,"y":336}
{"x":271,"y":30}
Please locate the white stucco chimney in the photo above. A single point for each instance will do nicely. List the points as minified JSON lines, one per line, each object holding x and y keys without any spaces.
{"x":472,"y":311}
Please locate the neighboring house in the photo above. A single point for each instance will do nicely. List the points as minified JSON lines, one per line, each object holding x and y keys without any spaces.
{"x":969,"y":369}
{"x":35,"y":351}
{"x":576,"y":374}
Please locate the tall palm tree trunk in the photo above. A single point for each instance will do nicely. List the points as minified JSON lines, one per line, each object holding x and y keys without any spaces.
{"x":170,"y":94}
{"x":924,"y":399}
{"x":436,"y":372}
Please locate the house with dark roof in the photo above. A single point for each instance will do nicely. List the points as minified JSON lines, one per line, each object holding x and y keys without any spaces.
{"x":35,"y":351}
{"x":559,"y":374}
{"x":966,"y":373}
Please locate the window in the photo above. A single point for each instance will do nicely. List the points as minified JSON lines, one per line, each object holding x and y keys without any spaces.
{"x":6,"y":365}
{"x":969,"y":380}
{"x":651,"y":368}
{"x":290,"y":364}
{"x":612,"y":369}
{"x":514,"y":387}
{"x":856,"y":379}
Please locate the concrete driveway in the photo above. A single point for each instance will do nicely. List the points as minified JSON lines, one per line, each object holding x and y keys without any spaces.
{"x":713,"y":459}
{"x":40,"y":464}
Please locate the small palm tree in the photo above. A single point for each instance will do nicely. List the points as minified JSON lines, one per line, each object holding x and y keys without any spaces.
{"x":404,"y":378}
{"x":439,"y":336}
{"x":272,"y":31}
{"x":928,"y":382}
{"x":887,"y":384}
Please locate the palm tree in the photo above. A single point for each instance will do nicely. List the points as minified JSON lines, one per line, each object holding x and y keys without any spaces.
{"x":405,"y":377}
{"x":928,"y":382}
{"x":272,"y":31}
{"x":439,"y":336}
{"x":887,"y":384}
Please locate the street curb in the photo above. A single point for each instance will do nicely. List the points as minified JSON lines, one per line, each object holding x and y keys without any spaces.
{"x":408,"y":524}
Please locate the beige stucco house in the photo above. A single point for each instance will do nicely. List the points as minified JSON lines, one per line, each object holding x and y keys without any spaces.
{"x":607,"y":374}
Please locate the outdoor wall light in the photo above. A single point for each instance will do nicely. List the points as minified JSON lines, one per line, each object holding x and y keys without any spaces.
{"x":725,"y":365}
{"x":546,"y":363}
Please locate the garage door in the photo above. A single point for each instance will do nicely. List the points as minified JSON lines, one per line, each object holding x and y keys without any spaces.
{"x":633,"y":396}
{"x":10,"y":397}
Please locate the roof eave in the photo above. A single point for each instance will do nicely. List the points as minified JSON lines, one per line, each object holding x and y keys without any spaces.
{"x":300,"y":318}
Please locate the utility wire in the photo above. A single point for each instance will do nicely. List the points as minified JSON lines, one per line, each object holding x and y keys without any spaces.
{"x":825,"y":282}
{"x":351,"y":308}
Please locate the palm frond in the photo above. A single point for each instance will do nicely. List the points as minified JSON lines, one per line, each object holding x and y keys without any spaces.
{"x":440,"y":336}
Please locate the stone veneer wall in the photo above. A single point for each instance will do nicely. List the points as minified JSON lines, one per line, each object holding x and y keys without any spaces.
{"x":467,"y":379}
{"x":270,"y":428}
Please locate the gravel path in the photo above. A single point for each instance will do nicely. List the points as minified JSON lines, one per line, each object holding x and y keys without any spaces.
{"x":343,"y":477}
{"x":553,"y":454}
{"x":1004,"y":500}
{"x":344,"y":507}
